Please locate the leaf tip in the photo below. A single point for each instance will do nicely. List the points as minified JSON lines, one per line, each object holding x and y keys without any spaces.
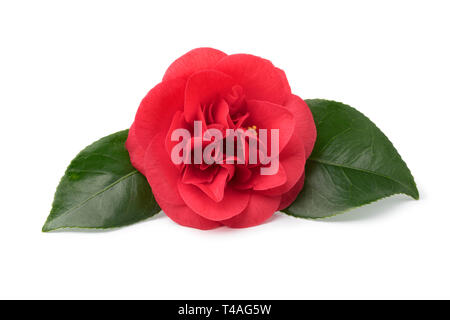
{"x":414,"y":192}
{"x":46,"y":227}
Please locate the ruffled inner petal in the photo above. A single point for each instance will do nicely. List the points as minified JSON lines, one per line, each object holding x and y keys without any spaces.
{"x":203,"y":89}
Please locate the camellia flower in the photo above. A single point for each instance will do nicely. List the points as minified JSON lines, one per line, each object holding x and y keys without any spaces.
{"x":223,"y":92}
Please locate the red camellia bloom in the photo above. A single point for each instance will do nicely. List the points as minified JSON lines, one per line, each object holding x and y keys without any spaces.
{"x":221,"y":91}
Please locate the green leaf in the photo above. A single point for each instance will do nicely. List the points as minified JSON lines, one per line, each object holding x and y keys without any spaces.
{"x":353,"y":163}
{"x":101,"y":189}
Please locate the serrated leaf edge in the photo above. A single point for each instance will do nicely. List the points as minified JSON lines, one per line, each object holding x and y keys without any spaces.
{"x":414,"y":194}
{"x":342,"y":211}
{"x":88,"y":199}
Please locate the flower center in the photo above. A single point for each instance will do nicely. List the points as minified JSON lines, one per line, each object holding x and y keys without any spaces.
{"x":252,"y":130}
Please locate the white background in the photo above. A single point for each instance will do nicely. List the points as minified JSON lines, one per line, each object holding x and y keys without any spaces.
{"x":74,"y":71}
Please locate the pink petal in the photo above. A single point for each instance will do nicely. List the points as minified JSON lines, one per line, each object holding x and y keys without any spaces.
{"x":304,"y":123}
{"x":264,"y":182}
{"x":258,"y":77}
{"x":233,"y":203}
{"x":289,"y":197}
{"x":293,"y":162}
{"x":204,"y":88}
{"x":193,"y":61}
{"x":259,"y":209}
{"x":178,"y":122}
{"x":157,"y":109}
{"x":195,"y":175}
{"x":136,"y":151}
{"x":266,"y":115}
{"x":216,"y":189}
{"x":186,"y":217}
{"x":161,"y":173}
{"x":221,"y":113}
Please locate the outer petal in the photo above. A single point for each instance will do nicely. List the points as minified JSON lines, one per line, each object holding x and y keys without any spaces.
{"x":136,"y":151}
{"x":157,"y":109}
{"x":259,"y":209}
{"x":293,"y":161}
{"x":233,"y":203}
{"x":162,"y":176}
{"x":204,"y":88}
{"x":293,"y":157}
{"x":161,"y":173}
{"x":288,"y":197}
{"x":184,"y":216}
{"x":195,"y":60}
{"x":258,"y":77}
{"x":285,"y":80}
{"x":304,"y":122}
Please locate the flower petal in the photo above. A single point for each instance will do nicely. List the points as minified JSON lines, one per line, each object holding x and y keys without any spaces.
{"x":289,"y":197}
{"x":233,"y":203}
{"x":184,"y":216}
{"x":161,"y":173}
{"x":221,"y":113}
{"x":258,"y":77}
{"x":136,"y":151}
{"x":195,"y":60}
{"x":156,"y":110}
{"x":178,"y":122}
{"x":264,"y":182}
{"x":285,"y":80}
{"x":216,"y":189}
{"x":204,"y":88}
{"x":293,"y":163}
{"x":162,"y":176}
{"x":304,"y":122}
{"x":266,"y":115}
{"x":194,"y":175}
{"x":259,"y":209}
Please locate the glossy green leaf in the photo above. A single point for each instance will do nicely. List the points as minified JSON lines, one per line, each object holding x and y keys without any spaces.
{"x":353,"y":163}
{"x":101,"y":189}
